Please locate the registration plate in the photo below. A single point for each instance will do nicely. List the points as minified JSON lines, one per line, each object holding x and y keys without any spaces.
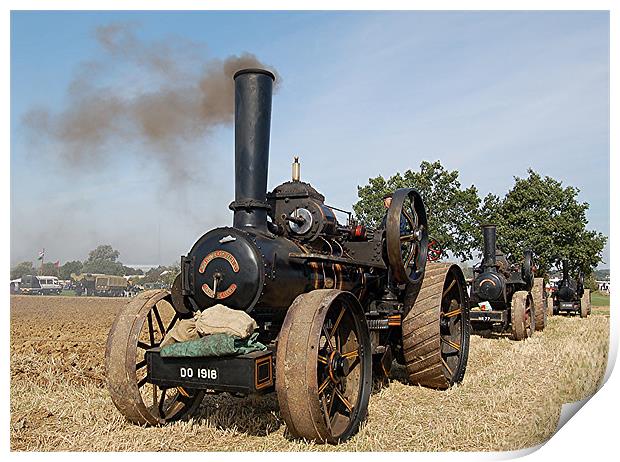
{"x":199,"y":373}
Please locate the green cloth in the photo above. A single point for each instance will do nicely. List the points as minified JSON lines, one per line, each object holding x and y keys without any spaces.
{"x":213,"y":345}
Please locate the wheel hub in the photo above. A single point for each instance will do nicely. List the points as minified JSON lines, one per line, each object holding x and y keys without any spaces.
{"x":338,"y":366}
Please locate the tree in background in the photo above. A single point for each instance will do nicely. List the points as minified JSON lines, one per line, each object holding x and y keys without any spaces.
{"x":452,"y":212}
{"x":49,"y":269}
{"x":103,"y":260}
{"x":162,"y":274}
{"x":540,"y":214}
{"x":128,"y":271}
{"x":168,"y":276}
{"x":590,"y":282}
{"x":22,"y":269}
{"x":70,"y":267}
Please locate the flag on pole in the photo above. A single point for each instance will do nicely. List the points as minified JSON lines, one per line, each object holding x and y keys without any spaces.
{"x":41,"y":254}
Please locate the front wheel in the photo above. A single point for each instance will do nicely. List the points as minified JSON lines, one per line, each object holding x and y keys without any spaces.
{"x":586,"y":304}
{"x":540,"y":309}
{"x":324,"y":366}
{"x":522,"y":315}
{"x":139,"y":326}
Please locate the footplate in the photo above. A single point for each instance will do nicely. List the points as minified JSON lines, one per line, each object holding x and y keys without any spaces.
{"x":246,"y":374}
{"x":488,"y":316}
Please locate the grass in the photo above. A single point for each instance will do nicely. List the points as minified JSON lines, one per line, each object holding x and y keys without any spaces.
{"x":510,"y":399}
{"x":600,"y":299}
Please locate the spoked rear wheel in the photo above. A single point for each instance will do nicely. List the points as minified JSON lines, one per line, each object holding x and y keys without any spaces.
{"x":324,"y":366}
{"x":436,"y":329}
{"x":139,"y":326}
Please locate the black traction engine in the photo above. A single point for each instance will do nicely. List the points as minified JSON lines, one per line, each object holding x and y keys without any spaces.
{"x":335,"y":302}
{"x":506,"y":296}
{"x":571,"y":296}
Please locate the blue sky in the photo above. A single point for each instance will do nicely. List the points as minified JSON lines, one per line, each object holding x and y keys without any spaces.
{"x":362,"y":94}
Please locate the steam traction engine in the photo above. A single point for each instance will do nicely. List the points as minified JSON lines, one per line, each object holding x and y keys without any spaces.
{"x":506,"y":297}
{"x":571,"y":296}
{"x":333,"y":302}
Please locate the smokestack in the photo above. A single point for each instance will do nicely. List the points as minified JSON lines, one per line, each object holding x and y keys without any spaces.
{"x":565,"y":270}
{"x":488,"y":256}
{"x":253,"y":89}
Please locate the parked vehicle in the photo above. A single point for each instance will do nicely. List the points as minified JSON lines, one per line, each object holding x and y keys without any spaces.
{"x":15,"y":286}
{"x":506,"y":297}
{"x":39,"y":285}
{"x":571,"y":297}
{"x":101,"y":285}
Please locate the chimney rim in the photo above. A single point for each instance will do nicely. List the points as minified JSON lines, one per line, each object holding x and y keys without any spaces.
{"x":254,"y":70}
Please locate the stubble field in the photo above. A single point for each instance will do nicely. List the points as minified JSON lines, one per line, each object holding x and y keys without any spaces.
{"x":510,"y":398}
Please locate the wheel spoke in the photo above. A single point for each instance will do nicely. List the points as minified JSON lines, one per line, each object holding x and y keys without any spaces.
{"x":142,"y":382}
{"x":174,"y":400}
{"x":326,"y":412}
{"x":344,"y":400}
{"x":454,"y":345}
{"x":141,"y":364}
{"x":408,"y":237}
{"x":338,"y":339}
{"x":324,"y":385}
{"x":173,"y":322}
{"x":151,"y":331}
{"x":332,"y":398}
{"x":333,"y":331}
{"x":322,"y":359}
{"x":452,"y":313}
{"x":351,"y":354}
{"x":162,"y":400}
{"x":328,"y":343}
{"x":159,"y":322}
{"x":445,"y":364}
{"x":409,"y":218}
{"x":414,"y":214}
{"x":353,"y":365}
{"x":144,"y":346}
{"x":445,"y":292}
{"x":412,"y":252}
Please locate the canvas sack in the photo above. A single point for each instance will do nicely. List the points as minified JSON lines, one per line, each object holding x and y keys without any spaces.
{"x":182,"y":331}
{"x":222,"y":320}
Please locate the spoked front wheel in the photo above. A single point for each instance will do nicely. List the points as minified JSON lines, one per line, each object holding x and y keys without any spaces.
{"x":139,"y":326}
{"x":540,"y":308}
{"x":324,"y":366}
{"x":522,"y":315}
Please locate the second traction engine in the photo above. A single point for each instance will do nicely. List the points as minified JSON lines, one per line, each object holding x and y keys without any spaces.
{"x":506,"y":296}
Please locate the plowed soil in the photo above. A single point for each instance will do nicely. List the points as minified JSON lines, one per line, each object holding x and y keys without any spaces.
{"x":510,"y":398}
